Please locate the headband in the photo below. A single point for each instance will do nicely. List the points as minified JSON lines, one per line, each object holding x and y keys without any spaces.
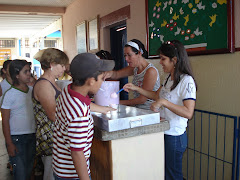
{"x":135,"y":45}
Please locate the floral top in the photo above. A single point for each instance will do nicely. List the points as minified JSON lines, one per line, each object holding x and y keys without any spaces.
{"x":45,"y":127}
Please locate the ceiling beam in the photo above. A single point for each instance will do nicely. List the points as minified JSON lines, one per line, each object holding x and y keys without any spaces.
{"x":32,"y":10}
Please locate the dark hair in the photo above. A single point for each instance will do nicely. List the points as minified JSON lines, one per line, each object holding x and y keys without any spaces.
{"x":172,"y":49}
{"x":141,"y":46}
{"x":6,"y":64}
{"x":104,"y":55}
{"x":52,"y":55}
{"x":81,"y":81}
{"x":15,"y":67}
{"x":2,"y":73}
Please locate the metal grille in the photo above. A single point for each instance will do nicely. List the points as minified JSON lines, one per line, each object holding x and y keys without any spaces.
{"x":9,"y":43}
{"x":50,"y":43}
{"x":211,"y":151}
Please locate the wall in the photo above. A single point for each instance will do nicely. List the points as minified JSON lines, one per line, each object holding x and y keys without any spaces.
{"x":144,"y":160}
{"x":216,"y":75}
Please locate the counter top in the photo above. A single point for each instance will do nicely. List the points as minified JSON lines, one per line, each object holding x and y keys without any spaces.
{"x":137,"y":131}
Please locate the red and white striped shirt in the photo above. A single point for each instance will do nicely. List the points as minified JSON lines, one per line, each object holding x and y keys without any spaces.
{"x":73,"y":132}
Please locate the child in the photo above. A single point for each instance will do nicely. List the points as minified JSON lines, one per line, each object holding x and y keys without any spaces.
{"x":7,"y":81}
{"x":73,"y":131}
{"x":18,"y":121}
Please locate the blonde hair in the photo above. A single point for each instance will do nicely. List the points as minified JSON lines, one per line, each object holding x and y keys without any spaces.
{"x":52,"y":55}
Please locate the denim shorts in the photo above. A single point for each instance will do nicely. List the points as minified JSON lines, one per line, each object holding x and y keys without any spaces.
{"x":174,"y":149}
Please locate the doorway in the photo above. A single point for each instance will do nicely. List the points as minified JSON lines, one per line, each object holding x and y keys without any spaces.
{"x":118,"y":39}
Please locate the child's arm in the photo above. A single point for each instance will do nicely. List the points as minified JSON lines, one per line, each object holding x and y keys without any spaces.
{"x":80,"y":164}
{"x":185,"y":111}
{"x":102,"y":109}
{"x":149,"y":94}
{"x":11,"y":148}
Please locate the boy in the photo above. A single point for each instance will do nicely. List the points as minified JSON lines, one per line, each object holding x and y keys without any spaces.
{"x":74,"y":124}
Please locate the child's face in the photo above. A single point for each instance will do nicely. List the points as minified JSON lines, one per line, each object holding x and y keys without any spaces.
{"x":167,"y":64}
{"x":98,"y":83}
{"x":24,"y":75}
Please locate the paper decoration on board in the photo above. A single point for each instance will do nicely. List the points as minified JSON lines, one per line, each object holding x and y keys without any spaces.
{"x":200,"y":6}
{"x":213,"y":18}
{"x":222,"y":2}
{"x":165,"y":5}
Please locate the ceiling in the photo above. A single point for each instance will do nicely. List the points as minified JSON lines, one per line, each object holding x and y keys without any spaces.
{"x":24,"y":18}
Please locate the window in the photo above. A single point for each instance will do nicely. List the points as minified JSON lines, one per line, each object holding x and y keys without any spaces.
{"x":50,"y":43}
{"x":35,"y":44}
{"x":26,"y":43}
{"x":7,"y":43}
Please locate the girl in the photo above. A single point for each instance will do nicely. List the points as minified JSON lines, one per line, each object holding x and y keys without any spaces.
{"x":18,"y":121}
{"x":176,"y":100}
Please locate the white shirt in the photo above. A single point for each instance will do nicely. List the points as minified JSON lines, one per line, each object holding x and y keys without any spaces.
{"x":185,"y":90}
{"x":5,"y":85}
{"x":22,"y":119}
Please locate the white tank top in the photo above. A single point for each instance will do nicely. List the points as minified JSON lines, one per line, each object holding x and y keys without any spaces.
{"x":138,"y":81}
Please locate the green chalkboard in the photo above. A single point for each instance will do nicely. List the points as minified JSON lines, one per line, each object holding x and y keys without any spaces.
{"x":203,"y":26}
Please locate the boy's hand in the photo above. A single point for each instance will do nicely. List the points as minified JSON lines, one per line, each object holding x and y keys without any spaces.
{"x":129,"y":86}
{"x":106,"y":109}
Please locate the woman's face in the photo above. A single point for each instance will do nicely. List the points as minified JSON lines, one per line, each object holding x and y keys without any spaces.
{"x":24,"y":75}
{"x":58,"y":69}
{"x":131,"y":58}
{"x":167,"y":64}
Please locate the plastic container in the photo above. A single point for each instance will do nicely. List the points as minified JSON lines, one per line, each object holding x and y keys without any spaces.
{"x":103,"y":96}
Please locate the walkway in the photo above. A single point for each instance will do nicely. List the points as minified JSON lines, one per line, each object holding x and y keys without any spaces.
{"x":4,"y":171}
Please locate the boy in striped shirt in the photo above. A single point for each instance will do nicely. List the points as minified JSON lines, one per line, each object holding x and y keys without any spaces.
{"x":74,"y":124}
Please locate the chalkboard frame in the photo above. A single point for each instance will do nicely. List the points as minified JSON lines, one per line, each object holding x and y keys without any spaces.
{"x":230,"y":36}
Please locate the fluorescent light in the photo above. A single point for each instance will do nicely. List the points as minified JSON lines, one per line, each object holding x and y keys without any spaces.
{"x":120,"y":29}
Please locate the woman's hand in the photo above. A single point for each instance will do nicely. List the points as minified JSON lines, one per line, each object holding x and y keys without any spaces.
{"x":130,"y":86}
{"x":12,"y":149}
{"x":108,"y":74}
{"x":157,"y":105}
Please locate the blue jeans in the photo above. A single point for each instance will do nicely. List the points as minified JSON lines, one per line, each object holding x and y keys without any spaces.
{"x":174,"y":148}
{"x":23,"y":161}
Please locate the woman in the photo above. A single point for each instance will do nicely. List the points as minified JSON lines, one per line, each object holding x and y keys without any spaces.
{"x":145,"y":75}
{"x":45,"y":93}
{"x":18,"y":121}
{"x":176,"y":100}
